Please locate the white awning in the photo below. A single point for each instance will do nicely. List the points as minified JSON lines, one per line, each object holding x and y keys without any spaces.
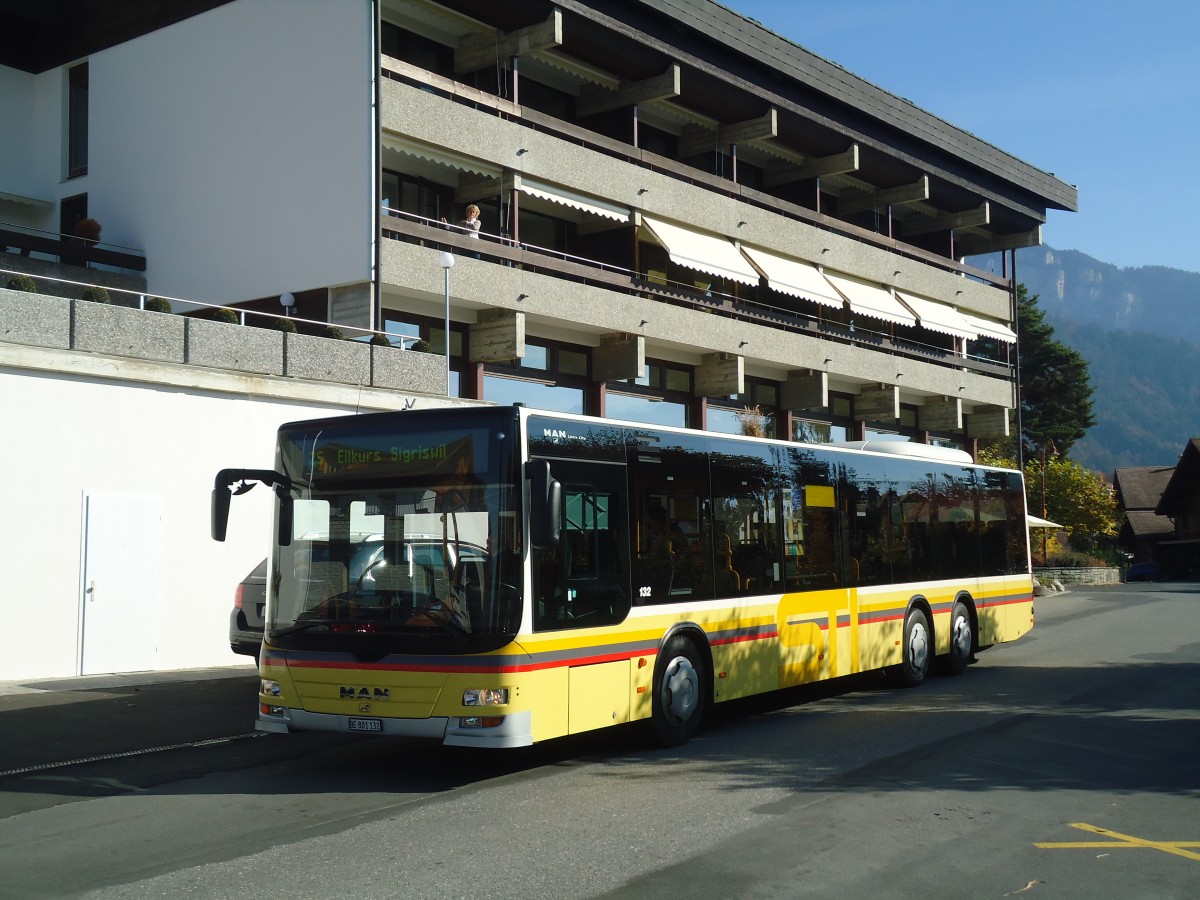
{"x":565,"y":197}
{"x":989,"y":329}
{"x":438,"y":155}
{"x":791,"y":276}
{"x":1035,"y":522}
{"x":938,"y":316}
{"x":702,"y":252}
{"x":872,"y":300}
{"x":23,"y":200}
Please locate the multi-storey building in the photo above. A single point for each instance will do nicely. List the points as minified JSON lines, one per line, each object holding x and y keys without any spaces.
{"x":682,"y":214}
{"x":684,"y":218}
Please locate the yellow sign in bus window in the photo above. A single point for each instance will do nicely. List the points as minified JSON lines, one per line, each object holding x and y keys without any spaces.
{"x":818,"y":495}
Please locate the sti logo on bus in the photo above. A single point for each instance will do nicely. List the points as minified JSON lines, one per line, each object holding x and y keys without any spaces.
{"x":349,"y":692}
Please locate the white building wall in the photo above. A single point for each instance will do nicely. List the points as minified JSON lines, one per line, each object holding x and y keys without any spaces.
{"x":78,"y":430}
{"x":30,"y":110}
{"x":236,"y":148}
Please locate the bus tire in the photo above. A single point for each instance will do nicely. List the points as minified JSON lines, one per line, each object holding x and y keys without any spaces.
{"x":962,"y":640}
{"x":918,"y":644}
{"x":680,"y":692}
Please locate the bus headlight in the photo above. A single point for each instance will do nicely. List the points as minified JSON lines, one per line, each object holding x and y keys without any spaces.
{"x":269,"y":688}
{"x":486,"y":697}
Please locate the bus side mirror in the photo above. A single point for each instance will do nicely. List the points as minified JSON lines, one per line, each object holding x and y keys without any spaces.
{"x":286,"y":507}
{"x":545,"y":505}
{"x":220,"y":511}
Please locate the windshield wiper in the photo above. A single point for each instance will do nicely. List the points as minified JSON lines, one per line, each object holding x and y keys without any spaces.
{"x":298,"y":627}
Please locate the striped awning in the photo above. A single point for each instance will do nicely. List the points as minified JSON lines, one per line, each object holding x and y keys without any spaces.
{"x":702,"y":252}
{"x":791,"y":276}
{"x":938,"y":316}
{"x":566,"y":197}
{"x":439,"y":155}
{"x":872,"y":300}
{"x":988,"y":328}
{"x":22,"y":200}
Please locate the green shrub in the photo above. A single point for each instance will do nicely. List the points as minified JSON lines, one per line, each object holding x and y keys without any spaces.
{"x":380,"y":340}
{"x":225,"y":315}
{"x":421,"y":346}
{"x":286,"y":325}
{"x":96,"y":295}
{"x":22,"y":283}
{"x":158,"y":304}
{"x":1072,"y":559}
{"x":332,"y":331}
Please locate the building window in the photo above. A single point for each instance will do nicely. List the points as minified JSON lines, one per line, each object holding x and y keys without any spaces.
{"x":77,"y":121}
{"x":416,"y":196}
{"x":548,"y":376}
{"x":417,"y":50}
{"x":661,"y":395}
{"x":650,"y":410}
{"x":754,"y":412}
{"x":838,"y":426}
{"x":556,"y":397}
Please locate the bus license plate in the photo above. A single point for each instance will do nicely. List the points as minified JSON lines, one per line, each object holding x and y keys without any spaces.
{"x":366,"y":725}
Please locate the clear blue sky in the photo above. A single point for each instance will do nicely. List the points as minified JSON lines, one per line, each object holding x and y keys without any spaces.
{"x":1104,"y":94}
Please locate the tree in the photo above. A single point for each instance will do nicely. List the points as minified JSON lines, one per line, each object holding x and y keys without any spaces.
{"x":1056,"y":389}
{"x":1076,"y":498}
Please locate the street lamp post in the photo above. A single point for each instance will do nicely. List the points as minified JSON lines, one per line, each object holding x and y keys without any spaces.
{"x":446,"y":261}
{"x":1053,"y":453}
{"x":1045,"y":561}
{"x":287,"y":301}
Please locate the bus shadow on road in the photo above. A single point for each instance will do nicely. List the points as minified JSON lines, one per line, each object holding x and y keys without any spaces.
{"x":1134,"y":730}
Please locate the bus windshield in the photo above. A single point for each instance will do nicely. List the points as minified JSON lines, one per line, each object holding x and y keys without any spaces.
{"x":400,"y":542}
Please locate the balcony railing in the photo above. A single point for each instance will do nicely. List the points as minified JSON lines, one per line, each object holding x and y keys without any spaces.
{"x":416,"y":77}
{"x":69,"y":250}
{"x":499,"y":249}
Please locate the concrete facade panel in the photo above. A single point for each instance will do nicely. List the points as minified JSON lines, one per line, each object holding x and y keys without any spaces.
{"x":121,"y":331}
{"x":326,"y":359}
{"x":223,"y":345}
{"x":35,"y":319}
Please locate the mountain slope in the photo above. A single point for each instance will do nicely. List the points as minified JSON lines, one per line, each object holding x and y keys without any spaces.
{"x":1139,"y":330}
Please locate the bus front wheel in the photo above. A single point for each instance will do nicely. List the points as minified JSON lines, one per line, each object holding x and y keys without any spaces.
{"x":679,"y":692}
{"x":918,"y":646}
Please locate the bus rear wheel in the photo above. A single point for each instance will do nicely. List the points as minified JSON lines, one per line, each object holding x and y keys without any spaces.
{"x":679,"y":692}
{"x":962,"y":640}
{"x":918,"y":646}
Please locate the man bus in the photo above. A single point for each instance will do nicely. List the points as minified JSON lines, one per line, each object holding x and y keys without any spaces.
{"x":496,"y":576}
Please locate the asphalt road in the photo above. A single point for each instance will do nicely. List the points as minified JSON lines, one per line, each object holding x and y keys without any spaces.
{"x":1066,"y":765}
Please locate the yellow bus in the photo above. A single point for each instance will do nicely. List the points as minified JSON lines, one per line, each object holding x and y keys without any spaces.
{"x":497,"y":576}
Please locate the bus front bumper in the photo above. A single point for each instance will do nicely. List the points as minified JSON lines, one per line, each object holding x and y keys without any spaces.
{"x":516,"y":729}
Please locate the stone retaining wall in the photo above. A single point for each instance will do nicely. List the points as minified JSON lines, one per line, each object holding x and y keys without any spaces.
{"x":41,"y":320}
{"x":1064,"y":575}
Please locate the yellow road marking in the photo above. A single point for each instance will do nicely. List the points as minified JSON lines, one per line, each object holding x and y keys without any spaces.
{"x":1122,"y":842}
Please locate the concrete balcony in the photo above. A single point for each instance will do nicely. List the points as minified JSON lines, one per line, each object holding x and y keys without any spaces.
{"x":684,"y":327}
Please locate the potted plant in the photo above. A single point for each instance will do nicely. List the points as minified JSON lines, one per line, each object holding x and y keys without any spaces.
{"x":96,"y":295}
{"x":88,"y":231}
{"x":22,"y":283}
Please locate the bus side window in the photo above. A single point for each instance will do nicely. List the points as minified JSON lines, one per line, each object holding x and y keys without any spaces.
{"x":584,"y":581}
